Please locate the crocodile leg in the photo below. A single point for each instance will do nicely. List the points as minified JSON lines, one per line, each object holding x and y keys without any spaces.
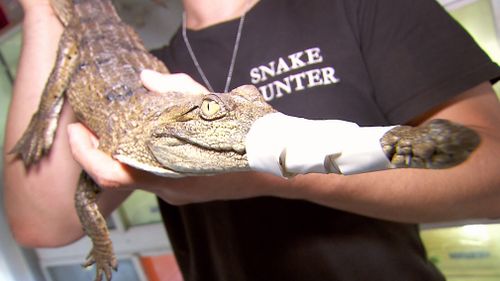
{"x":94,"y":225}
{"x":436,"y":145}
{"x":38,"y":137}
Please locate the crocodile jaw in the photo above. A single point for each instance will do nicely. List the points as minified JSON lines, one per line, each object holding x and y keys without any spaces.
{"x":189,"y":158}
{"x":142,"y":166}
{"x":207,"y":136}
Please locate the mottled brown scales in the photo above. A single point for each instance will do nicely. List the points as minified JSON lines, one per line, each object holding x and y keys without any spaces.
{"x":97,"y":71}
{"x":209,"y":137}
{"x":436,"y":145}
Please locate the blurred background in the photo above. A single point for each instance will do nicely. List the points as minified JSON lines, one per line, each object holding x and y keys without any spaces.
{"x":464,"y":251}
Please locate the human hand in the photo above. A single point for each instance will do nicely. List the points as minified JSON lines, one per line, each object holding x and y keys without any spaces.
{"x":106,"y":171}
{"x":111,"y":174}
{"x":178,"y":82}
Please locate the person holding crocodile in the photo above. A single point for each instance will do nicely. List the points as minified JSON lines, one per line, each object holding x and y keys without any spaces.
{"x":375,"y":63}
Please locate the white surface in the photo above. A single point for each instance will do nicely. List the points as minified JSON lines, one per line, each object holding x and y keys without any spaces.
{"x":285,"y":145}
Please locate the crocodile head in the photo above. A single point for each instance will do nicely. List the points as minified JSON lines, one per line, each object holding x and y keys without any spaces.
{"x":207,"y":135}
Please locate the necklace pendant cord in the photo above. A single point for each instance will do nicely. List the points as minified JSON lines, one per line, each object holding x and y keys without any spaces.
{"x":233,"y":56}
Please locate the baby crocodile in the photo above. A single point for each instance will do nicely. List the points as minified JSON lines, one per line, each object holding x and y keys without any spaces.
{"x":97,"y":70}
{"x":207,"y":135}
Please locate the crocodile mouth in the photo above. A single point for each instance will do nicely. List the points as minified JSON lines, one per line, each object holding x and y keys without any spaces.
{"x":185,"y":156}
{"x":169,"y":138}
{"x":172,"y":141}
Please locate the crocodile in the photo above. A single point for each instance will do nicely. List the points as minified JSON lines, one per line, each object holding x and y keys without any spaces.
{"x":207,"y":136}
{"x":97,"y":71}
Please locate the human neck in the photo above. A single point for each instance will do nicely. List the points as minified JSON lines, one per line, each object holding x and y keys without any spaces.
{"x":204,"y":13}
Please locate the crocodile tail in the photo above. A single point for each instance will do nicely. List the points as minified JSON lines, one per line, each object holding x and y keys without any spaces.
{"x":63,"y":10}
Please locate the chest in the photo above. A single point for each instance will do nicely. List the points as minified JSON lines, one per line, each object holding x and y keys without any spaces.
{"x":306,"y":64}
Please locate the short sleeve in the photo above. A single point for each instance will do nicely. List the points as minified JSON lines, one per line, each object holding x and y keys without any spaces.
{"x":417,"y":56}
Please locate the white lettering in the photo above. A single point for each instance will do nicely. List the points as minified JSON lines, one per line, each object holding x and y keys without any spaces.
{"x":268,"y":96}
{"x":296,"y":61}
{"x":329,"y":76}
{"x":265,"y":70}
{"x":314,"y":78}
{"x":282,"y":67}
{"x":298,"y":82}
{"x":314,"y":56}
{"x":297,"y":78}
{"x":280,"y":87}
{"x":255,"y":75}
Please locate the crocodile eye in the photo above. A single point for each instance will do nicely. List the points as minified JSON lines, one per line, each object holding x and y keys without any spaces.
{"x":211,"y":109}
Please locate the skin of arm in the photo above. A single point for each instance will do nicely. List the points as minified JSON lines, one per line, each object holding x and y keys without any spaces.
{"x":39,"y":202}
{"x":470,"y":190}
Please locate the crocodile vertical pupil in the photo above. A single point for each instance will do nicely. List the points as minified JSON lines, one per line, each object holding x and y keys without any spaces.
{"x":209,"y":108}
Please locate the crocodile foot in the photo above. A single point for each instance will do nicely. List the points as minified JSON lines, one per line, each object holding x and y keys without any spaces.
{"x":36,"y":140}
{"x":104,"y":259}
{"x":436,"y":145}
{"x":94,"y":225}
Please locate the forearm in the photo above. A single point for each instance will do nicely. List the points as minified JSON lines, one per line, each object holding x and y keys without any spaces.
{"x":30,"y":196}
{"x":39,"y":200}
{"x":413,"y":195}
{"x":468,"y":190}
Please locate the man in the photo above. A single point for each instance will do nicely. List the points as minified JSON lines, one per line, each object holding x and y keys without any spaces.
{"x":371,"y":62}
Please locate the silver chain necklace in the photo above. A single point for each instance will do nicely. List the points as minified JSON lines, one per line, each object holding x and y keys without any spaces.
{"x":197,"y":64}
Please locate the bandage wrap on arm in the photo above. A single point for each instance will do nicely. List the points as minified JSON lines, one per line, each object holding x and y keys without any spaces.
{"x":286,"y":145}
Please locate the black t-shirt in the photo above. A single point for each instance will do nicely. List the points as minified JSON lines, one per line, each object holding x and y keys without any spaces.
{"x":373,"y":62}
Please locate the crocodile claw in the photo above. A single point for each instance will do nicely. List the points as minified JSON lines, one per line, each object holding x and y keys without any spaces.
{"x":436,"y":145}
{"x":35,"y":142}
{"x":104,"y":260}
{"x":94,"y":225}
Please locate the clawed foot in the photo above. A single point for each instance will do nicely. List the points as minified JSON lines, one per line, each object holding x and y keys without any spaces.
{"x":436,"y":145}
{"x":104,"y":261}
{"x":36,"y":140}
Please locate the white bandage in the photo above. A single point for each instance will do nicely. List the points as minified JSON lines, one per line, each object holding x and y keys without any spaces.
{"x":285,"y":145}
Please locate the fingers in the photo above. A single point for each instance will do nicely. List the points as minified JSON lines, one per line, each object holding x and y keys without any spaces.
{"x":105,"y":171}
{"x":163,"y":83}
{"x":102,"y":168}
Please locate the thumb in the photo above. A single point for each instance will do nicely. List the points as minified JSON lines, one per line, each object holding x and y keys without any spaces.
{"x":164,"y":83}
{"x":80,"y":137}
{"x":106,"y":171}
{"x":84,"y":146}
